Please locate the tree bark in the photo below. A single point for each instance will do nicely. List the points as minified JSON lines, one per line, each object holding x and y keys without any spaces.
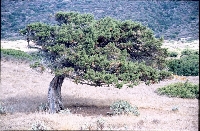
{"x":54,"y":94}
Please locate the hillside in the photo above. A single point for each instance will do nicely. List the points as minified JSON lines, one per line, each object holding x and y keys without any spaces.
{"x":171,"y":19}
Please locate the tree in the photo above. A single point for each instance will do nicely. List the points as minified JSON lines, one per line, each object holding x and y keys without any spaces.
{"x":97,"y":52}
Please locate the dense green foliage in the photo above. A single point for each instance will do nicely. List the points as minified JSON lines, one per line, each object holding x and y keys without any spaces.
{"x":105,"y":51}
{"x":187,"y":65}
{"x":171,"y":19}
{"x":182,"y":90}
{"x":123,"y":107}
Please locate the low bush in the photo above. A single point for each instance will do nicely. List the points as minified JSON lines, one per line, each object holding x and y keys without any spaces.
{"x":173,"y":54}
{"x":189,"y":52}
{"x":119,"y":85}
{"x":187,"y":65}
{"x":18,"y":54}
{"x":179,"y":89}
{"x":38,"y":66}
{"x":123,"y":107}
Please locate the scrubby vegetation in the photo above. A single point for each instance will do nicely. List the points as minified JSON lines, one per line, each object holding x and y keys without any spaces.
{"x":100,"y":124}
{"x":182,"y":90}
{"x":187,"y":65}
{"x":35,"y":58}
{"x":21,"y":55}
{"x":173,"y":54}
{"x":2,"y":109}
{"x":18,"y":54}
{"x":189,"y":52}
{"x":38,"y":66}
{"x":123,"y":107}
{"x":171,"y":19}
{"x":39,"y":126}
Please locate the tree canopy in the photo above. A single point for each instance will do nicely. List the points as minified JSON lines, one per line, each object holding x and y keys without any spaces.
{"x":104,"y":51}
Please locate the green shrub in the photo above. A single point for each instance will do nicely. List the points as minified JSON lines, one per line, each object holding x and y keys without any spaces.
{"x":182,"y":90}
{"x":119,"y":85}
{"x":187,"y":52}
{"x":18,"y":54}
{"x":123,"y":107}
{"x":38,"y":66}
{"x":173,"y":54}
{"x":35,"y":64}
{"x":187,"y":65}
{"x":130,"y":85}
{"x":164,"y":75}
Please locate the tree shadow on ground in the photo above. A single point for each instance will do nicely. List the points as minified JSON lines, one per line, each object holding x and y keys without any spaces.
{"x":28,"y":104}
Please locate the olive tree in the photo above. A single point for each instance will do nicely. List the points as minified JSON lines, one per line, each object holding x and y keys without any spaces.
{"x":97,"y":52}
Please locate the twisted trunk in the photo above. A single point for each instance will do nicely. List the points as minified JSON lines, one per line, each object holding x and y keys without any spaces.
{"x":54,"y":94}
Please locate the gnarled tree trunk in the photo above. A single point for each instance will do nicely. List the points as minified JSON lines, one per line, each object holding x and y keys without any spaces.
{"x":54,"y":94}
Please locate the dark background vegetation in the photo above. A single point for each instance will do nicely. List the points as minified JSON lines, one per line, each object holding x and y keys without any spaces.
{"x":171,"y":19}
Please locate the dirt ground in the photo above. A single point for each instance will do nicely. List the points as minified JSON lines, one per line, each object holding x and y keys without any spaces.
{"x":23,"y":89}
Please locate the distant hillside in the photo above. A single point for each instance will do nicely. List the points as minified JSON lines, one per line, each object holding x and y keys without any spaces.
{"x":171,"y":19}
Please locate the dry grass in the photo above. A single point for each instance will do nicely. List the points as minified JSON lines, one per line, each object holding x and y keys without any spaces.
{"x":23,"y":89}
{"x":18,"y":45}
